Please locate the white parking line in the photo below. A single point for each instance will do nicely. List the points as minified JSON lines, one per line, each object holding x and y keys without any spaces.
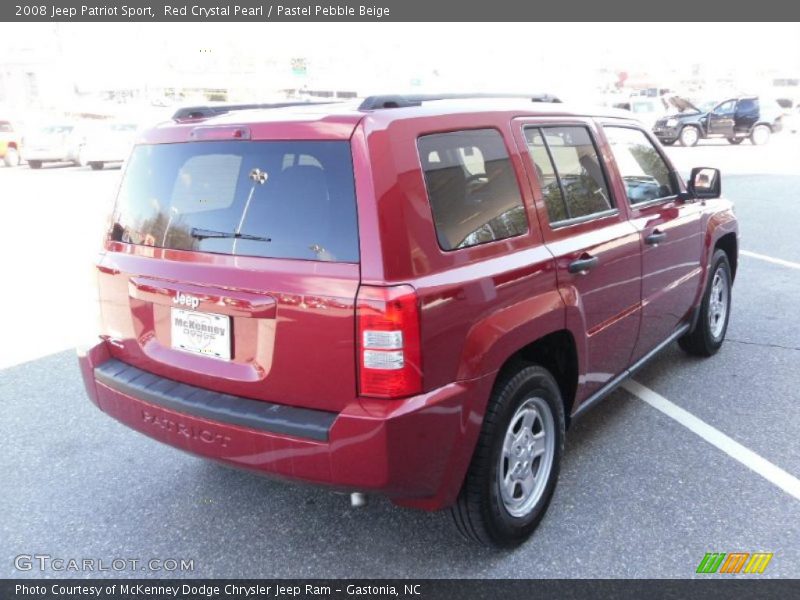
{"x":776,"y":261}
{"x":772,"y":473}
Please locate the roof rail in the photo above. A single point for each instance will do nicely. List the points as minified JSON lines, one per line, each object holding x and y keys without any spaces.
{"x":402,"y":101}
{"x":199,"y":112}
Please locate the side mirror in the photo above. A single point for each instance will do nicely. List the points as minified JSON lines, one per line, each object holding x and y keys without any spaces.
{"x":705,"y":183}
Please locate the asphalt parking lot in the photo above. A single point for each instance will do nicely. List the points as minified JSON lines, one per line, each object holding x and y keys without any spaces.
{"x":640,"y":495}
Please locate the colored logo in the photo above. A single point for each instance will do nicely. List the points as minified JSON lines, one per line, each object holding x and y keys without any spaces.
{"x":734,"y":562}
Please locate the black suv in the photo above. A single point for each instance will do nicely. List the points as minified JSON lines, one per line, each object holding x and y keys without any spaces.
{"x":734,"y":119}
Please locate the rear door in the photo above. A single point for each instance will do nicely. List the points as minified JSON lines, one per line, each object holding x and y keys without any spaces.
{"x":234,"y":266}
{"x":747,"y":115}
{"x":596,"y":248}
{"x":670,"y":231}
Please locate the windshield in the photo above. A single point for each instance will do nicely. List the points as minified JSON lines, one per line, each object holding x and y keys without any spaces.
{"x":270,"y":199}
{"x":56,"y":129}
{"x":643,"y":107}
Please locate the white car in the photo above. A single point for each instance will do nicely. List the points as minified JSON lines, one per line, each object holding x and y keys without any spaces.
{"x":646,"y":109}
{"x":51,"y":143}
{"x":108,"y":142}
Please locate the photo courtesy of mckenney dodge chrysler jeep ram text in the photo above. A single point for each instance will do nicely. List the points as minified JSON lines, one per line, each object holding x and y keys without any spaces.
{"x":411,"y":296}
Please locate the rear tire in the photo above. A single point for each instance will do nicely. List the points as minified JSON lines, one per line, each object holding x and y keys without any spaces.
{"x":669,"y":143}
{"x":760,"y":135}
{"x":96,"y":166}
{"x":11,"y":159}
{"x":715,"y":310}
{"x":35,"y":164}
{"x":689,"y":136}
{"x":735,"y":141}
{"x":514,"y":470}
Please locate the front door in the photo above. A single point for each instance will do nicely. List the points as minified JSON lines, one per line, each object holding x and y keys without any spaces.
{"x":720,"y":120}
{"x":670,"y":231}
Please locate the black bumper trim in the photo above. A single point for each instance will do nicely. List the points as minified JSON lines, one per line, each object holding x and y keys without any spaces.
{"x":224,"y":408}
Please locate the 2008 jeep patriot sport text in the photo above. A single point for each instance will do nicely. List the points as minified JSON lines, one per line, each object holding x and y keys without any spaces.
{"x":411,"y":296}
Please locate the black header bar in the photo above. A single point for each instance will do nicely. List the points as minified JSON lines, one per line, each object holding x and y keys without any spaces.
{"x":400,"y":10}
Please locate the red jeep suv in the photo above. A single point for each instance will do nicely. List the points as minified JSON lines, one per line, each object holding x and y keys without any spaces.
{"x":413,"y":296}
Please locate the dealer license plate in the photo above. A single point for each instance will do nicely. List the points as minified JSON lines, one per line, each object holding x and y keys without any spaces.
{"x":201,"y":333}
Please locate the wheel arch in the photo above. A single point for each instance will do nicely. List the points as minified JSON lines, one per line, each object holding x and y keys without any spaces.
{"x":558,"y":353}
{"x":730,"y":245}
{"x":696,"y":124}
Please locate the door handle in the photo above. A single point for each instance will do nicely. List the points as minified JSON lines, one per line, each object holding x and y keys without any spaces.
{"x":655,"y":238}
{"x":583,"y":265}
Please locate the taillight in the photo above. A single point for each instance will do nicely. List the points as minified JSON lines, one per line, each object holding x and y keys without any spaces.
{"x":389,"y":354}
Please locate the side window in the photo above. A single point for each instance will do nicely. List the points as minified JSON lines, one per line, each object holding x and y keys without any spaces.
{"x":472,"y":188}
{"x":644,"y":171}
{"x":747,"y":106}
{"x":569,"y":169}
{"x":726,"y":108}
{"x":548,"y":180}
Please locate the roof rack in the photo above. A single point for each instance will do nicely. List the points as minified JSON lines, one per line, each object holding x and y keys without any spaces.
{"x":402,"y":101}
{"x":199,"y":112}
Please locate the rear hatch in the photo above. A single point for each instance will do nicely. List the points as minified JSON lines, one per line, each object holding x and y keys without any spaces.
{"x":233,"y":265}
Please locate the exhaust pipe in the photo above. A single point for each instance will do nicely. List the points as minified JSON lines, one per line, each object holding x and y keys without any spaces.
{"x":358,"y":500}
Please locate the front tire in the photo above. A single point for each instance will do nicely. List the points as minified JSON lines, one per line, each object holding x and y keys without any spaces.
{"x":689,"y":136}
{"x":715,"y":310}
{"x":760,"y":135}
{"x":96,"y":166}
{"x":514,"y":470}
{"x":35,"y":164}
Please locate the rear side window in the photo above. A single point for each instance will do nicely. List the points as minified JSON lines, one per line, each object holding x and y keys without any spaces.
{"x":269,"y":199}
{"x":472,"y":188}
{"x":572,"y":179}
{"x":747,"y":106}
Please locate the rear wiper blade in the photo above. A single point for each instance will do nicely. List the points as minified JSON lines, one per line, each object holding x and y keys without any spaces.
{"x":203,"y":234}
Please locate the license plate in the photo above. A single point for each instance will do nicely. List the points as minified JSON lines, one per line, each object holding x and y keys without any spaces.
{"x":201,"y":333}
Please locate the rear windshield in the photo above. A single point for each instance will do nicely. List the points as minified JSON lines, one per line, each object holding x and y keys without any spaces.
{"x":270,"y":199}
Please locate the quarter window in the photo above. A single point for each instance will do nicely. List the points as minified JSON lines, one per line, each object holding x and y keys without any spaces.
{"x":472,"y":188}
{"x":569,"y":170}
{"x":644,"y":171}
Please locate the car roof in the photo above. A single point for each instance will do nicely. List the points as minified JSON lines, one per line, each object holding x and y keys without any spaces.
{"x":338,"y":120}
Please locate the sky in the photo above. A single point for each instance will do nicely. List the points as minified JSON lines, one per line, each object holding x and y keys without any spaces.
{"x":386,"y":57}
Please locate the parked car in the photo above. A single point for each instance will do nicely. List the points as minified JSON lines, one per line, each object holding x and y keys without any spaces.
{"x":791,"y":114}
{"x":646,"y":109}
{"x":735,"y":119}
{"x":108,"y":142}
{"x":50,"y":143}
{"x":410,"y":296}
{"x":10,"y":143}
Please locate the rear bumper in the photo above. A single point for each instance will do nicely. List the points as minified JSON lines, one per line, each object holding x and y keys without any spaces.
{"x":415,"y":450}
